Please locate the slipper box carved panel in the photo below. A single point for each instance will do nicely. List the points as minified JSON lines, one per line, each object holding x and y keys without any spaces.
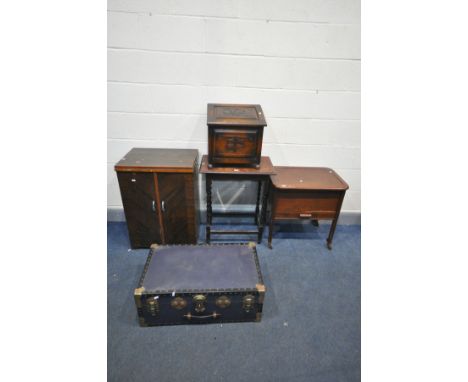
{"x":235,"y":134}
{"x":159,"y":190}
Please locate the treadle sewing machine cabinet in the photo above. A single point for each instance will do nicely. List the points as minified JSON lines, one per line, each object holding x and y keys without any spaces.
{"x":235,"y":134}
{"x":159,"y":189}
{"x":312,"y":193}
{"x":200,"y":284}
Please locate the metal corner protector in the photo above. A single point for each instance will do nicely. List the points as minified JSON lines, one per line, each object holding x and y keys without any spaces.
{"x":137,"y":295}
{"x":261,"y":289}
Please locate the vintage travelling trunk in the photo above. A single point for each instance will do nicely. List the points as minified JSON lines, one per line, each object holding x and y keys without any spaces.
{"x":159,"y":189}
{"x":200,"y":284}
{"x":235,"y":134}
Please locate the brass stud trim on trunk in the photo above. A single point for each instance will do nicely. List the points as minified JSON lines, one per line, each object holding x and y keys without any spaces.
{"x":178,"y":303}
{"x":223,"y":302}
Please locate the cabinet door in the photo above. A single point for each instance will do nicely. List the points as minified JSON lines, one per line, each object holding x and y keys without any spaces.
{"x":177,"y":207}
{"x":140,"y":206}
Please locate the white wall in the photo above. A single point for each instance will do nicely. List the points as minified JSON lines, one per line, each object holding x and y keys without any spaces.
{"x":299,"y":59}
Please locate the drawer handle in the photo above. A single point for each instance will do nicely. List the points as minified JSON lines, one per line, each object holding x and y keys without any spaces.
{"x":305,"y":215}
{"x":163,"y":206}
{"x":153,"y":206}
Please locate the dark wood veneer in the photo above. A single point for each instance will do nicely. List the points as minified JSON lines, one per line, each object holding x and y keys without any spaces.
{"x":160,"y":197}
{"x":143,"y":221}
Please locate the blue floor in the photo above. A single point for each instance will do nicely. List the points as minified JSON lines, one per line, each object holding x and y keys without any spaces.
{"x":310,"y":329}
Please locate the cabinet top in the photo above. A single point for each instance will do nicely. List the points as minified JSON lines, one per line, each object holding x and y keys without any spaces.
{"x":307,"y":178}
{"x":158,"y":160}
{"x":235,"y":115}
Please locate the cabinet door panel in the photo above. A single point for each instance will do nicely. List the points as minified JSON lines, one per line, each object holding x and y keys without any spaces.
{"x":177,"y":207}
{"x":140,"y":206}
{"x":235,"y":143}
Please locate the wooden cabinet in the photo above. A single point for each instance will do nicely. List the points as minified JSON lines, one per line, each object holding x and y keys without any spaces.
{"x":159,"y":189}
{"x":235,"y":134}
